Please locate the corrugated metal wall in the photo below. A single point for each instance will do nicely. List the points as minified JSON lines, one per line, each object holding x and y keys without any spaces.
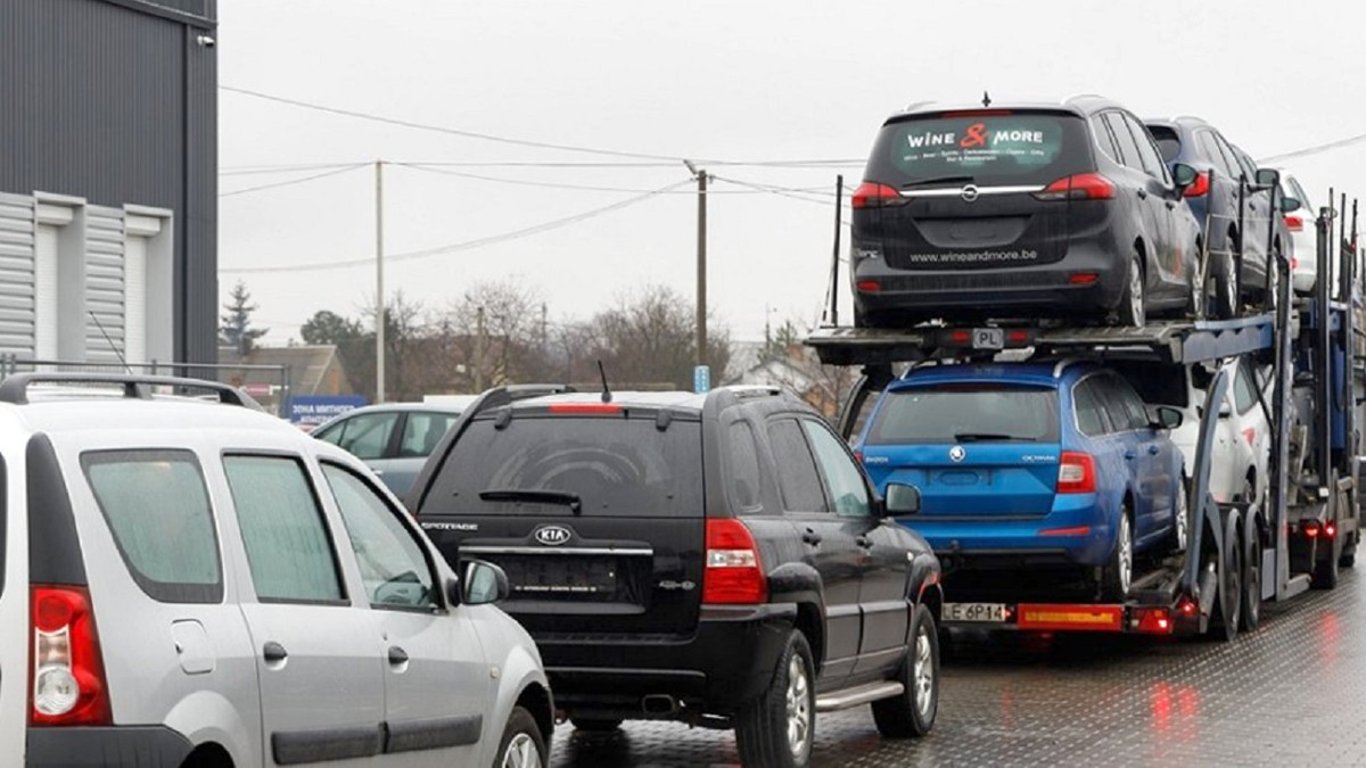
{"x":116,"y":105}
{"x":103,"y":283}
{"x":17,"y":234}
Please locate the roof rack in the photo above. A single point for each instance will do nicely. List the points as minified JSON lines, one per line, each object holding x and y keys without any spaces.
{"x":14,"y":389}
{"x":501,"y":396}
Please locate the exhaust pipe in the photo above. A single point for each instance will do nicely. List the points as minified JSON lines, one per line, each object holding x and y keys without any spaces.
{"x":659,"y":704}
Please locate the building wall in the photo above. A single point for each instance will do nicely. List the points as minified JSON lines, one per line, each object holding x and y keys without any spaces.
{"x":112,"y":105}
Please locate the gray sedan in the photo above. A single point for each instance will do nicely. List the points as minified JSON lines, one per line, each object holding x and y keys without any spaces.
{"x":393,"y":439}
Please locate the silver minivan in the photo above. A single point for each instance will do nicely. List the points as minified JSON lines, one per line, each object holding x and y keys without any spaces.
{"x":187,"y":581}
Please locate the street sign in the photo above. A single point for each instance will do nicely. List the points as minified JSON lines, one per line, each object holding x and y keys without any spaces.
{"x":701,"y":379}
{"x":316,"y":409}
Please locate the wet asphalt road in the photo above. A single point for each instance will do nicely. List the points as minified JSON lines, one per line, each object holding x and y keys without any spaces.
{"x":1292,"y":693}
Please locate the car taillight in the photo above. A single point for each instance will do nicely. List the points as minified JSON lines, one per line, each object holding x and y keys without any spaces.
{"x":1076,"y":473}
{"x":1199,"y":187}
{"x":734,"y":574}
{"x":1082,"y":186}
{"x":1294,"y":223}
{"x":67,"y":684}
{"x":871,"y":194}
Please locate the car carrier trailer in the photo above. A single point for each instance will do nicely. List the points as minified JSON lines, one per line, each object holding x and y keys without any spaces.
{"x":1239,"y":554}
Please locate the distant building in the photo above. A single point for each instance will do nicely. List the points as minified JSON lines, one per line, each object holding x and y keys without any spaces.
{"x":108,"y":180}
{"x":269,"y":373}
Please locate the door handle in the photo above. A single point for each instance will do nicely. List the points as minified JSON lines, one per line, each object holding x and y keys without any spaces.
{"x":397,"y":656}
{"x":864,"y":541}
{"x":273,"y":652}
{"x":1153,"y":450}
{"x":1130,"y":455}
{"x":811,"y":537}
{"x":1142,"y":194}
{"x":1171,"y":205}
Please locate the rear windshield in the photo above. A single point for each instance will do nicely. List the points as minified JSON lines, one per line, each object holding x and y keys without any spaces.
{"x":615,"y":466}
{"x":980,"y":148}
{"x":1167,"y":141}
{"x":958,"y":413}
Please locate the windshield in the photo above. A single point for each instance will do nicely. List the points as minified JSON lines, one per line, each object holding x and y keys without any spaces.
{"x":612,"y":466}
{"x":956,"y":413}
{"x":983,"y":148}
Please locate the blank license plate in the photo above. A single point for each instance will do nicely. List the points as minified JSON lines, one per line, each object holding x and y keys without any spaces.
{"x":983,"y":613}
{"x":561,"y":576}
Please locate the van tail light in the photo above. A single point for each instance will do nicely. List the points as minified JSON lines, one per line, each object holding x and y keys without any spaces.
{"x":1294,"y":223}
{"x":871,"y":194}
{"x":1199,"y":187}
{"x":734,"y":574}
{"x":1082,"y":186}
{"x":1076,"y":473}
{"x":67,"y":686}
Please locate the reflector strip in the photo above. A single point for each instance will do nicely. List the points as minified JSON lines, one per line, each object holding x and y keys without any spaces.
{"x":1090,"y":618}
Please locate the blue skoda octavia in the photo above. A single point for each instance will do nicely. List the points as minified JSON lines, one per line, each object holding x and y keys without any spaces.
{"x":1028,"y":467}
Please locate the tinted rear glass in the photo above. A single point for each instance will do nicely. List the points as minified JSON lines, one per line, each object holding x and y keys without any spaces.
{"x":616,"y":466}
{"x":1167,"y":141}
{"x":952,"y":413}
{"x":1028,"y":148}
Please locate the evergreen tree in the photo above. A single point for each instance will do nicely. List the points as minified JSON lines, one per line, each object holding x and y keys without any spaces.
{"x":235,"y":329}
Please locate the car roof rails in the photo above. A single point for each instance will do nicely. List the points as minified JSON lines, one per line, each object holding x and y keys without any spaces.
{"x":14,"y":388}
{"x":507,"y":395}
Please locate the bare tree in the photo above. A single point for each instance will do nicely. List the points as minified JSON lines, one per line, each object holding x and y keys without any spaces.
{"x":648,"y":340}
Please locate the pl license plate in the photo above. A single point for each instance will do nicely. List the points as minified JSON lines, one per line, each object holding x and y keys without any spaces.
{"x":975,"y":613}
{"x":988,"y":338}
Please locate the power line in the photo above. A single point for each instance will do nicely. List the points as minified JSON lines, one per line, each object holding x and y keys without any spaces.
{"x":560,"y":185}
{"x":467,"y":244}
{"x":288,"y":182}
{"x":1314,"y":150}
{"x":254,"y":170}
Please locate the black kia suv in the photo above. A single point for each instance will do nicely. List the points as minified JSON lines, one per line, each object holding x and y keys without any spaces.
{"x":719,"y":559}
{"x":1021,"y":211}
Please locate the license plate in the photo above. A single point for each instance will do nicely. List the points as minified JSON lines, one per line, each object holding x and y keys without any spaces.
{"x":988,"y":338}
{"x":975,"y":613}
{"x":561,"y":576}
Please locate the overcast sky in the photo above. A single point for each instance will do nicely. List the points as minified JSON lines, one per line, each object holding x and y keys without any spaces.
{"x":720,"y":79}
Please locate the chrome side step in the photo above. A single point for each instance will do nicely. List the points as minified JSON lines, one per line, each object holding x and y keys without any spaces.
{"x":852,"y":697}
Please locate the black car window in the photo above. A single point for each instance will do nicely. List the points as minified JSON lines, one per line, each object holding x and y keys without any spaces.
{"x":1125,"y":407}
{"x":393,"y":566}
{"x":989,"y":147}
{"x":1244,"y":389}
{"x":1230,"y":157}
{"x":613,"y":466}
{"x":158,"y":510}
{"x":1104,"y":138}
{"x":797,"y":478}
{"x":843,"y":479}
{"x":1128,"y":148}
{"x":422,"y":431}
{"x":743,"y":464}
{"x":1245,"y":163}
{"x":1168,"y":142}
{"x":1090,"y":413}
{"x":956,"y":412}
{"x":366,"y":435}
{"x":1147,"y":151}
{"x":1209,"y":149}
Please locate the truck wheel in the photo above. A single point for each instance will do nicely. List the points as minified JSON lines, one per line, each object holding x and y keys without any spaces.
{"x":1225,"y":289}
{"x":1228,"y":613}
{"x":1119,"y":571}
{"x":1325,"y":573}
{"x":522,"y":743}
{"x":1349,"y":552}
{"x":911,"y":714}
{"x":595,"y":725}
{"x":1180,"y":519}
{"x":776,"y":729}
{"x":1252,"y":584}
{"x":1131,"y":310}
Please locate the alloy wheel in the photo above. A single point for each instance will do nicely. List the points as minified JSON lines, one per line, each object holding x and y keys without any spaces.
{"x":798,"y":707}
{"x":1182,"y":521}
{"x":1125,"y":556}
{"x":923,"y":678}
{"x":1136,"y":294}
{"x":521,"y":753}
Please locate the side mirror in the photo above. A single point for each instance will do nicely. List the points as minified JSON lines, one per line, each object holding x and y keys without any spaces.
{"x":1225,"y":410}
{"x":902,"y":499}
{"x":1166,"y":417}
{"x":1290,"y":204}
{"x":1268,"y":177}
{"x":1184,"y":175}
{"x":484,"y":583}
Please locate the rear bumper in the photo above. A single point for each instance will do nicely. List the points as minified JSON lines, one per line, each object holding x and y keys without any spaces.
{"x":146,"y":746}
{"x":730,"y":659}
{"x":1055,"y":539}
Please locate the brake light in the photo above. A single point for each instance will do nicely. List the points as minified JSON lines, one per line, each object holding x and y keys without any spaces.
{"x":1199,"y":187}
{"x":871,"y":194}
{"x":1019,"y":336}
{"x":1083,"y":278}
{"x":1076,"y":473}
{"x":1156,"y":621}
{"x":869,"y":286}
{"x":1294,"y":223}
{"x":1082,"y":186}
{"x":734,"y":574}
{"x":1311,"y":529}
{"x":1076,"y":530}
{"x":67,"y":686}
{"x":1330,"y":530}
{"x":977,"y":113}
{"x":583,"y":409}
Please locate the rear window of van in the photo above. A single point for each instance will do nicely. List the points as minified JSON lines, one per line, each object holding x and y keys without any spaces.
{"x":985,"y":148}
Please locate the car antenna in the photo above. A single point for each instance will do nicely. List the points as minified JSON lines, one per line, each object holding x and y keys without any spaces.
{"x":606,"y":391}
{"x":117,"y":352}
{"x":986,"y":99}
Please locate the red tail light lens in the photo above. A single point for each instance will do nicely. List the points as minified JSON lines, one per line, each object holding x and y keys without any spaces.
{"x":1294,"y":223}
{"x":1199,"y":187}
{"x":734,"y":574}
{"x":1311,"y":529}
{"x":1083,"y":278}
{"x":1076,"y":473}
{"x":869,"y":286}
{"x":1082,"y":186}
{"x":871,"y":194}
{"x":67,"y":685}
{"x":1330,"y":530}
{"x":1155,"y":621}
{"x":583,"y":409}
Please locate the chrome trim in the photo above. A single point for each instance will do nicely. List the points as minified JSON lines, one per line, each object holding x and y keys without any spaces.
{"x":833,"y":702}
{"x":981,"y":191}
{"x":518,"y":550}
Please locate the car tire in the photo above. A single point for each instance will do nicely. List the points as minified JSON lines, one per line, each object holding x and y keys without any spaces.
{"x":522,"y":745}
{"x":911,"y":714}
{"x":1228,"y":613}
{"x":775,"y":730}
{"x":1131,"y":309}
{"x":1195,"y":300}
{"x":1180,"y":535}
{"x":1226,"y":298}
{"x":595,"y":725}
{"x":1325,"y":574}
{"x":1118,"y":574}
{"x":1251,"y":614}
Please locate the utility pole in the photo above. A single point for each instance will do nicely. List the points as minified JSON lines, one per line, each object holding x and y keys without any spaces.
{"x":701,"y":261}
{"x":379,"y":281}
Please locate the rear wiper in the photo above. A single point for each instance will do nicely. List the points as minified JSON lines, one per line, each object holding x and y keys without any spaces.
{"x":975,"y":437}
{"x":572,"y":500}
{"x":937,"y":180}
